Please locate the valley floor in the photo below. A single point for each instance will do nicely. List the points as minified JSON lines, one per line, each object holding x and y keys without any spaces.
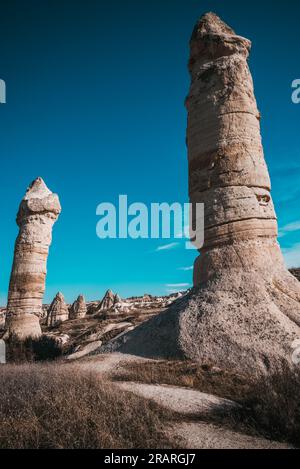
{"x":203,"y":420}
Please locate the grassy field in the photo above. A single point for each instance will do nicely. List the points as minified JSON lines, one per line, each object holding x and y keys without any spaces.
{"x":58,"y":406}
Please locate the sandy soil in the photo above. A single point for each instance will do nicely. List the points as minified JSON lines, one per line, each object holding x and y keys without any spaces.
{"x":178,"y":399}
{"x":105,"y":364}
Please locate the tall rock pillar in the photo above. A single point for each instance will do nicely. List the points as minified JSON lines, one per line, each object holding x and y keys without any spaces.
{"x":38,"y":211}
{"x":227,"y":169}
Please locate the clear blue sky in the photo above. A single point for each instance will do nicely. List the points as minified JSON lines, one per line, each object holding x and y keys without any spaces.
{"x":95,"y":105}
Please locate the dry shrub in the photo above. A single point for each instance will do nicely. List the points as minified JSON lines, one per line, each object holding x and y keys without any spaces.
{"x":58,"y":406}
{"x":273,"y":407}
{"x":43,"y":348}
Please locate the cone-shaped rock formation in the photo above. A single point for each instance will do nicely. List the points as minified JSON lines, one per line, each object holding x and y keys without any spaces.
{"x":58,"y":311}
{"x":78,"y":309}
{"x":117,"y":299}
{"x":244,"y":312}
{"x":38,"y":211}
{"x":107,"y":302}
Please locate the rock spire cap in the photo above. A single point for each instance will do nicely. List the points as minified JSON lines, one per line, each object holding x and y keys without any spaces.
{"x":38,"y":200}
{"x":37,"y":190}
{"x":210,"y":23}
{"x":212,"y":39}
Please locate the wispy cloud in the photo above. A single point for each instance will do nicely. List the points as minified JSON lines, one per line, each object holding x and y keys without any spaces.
{"x":166,"y":247}
{"x":186,"y":269}
{"x":289,"y":228}
{"x":292,"y":255}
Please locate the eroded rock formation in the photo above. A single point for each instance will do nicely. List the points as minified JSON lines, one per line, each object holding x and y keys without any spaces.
{"x":58,"y":311}
{"x":117,"y":299}
{"x":227,"y":170}
{"x":38,"y":211}
{"x":107,"y":302}
{"x":78,"y":309}
{"x":244,"y":312}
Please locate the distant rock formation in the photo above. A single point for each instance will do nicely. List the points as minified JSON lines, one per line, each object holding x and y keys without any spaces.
{"x":107,"y":302}
{"x":38,"y":211}
{"x":117,"y":299}
{"x":78,"y":309}
{"x":244,"y":312}
{"x":58,"y":311}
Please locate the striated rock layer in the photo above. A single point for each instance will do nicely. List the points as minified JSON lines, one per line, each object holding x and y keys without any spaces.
{"x":244,"y":312}
{"x":58,"y":311}
{"x":38,"y":211}
{"x":227,"y":170}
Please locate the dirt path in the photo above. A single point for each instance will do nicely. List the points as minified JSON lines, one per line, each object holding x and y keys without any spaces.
{"x":183,"y":400}
{"x":199,"y":435}
{"x":208,"y":436}
{"x":107,"y":363}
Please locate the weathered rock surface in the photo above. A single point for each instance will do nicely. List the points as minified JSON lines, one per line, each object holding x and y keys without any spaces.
{"x":117,"y":299}
{"x":108,"y":301}
{"x":58,"y":311}
{"x":38,"y":211}
{"x":244,"y":312}
{"x":83,"y":351}
{"x":78,"y":309}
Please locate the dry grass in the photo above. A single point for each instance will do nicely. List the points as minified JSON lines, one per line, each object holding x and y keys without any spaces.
{"x":186,"y":374}
{"x":58,"y":406}
{"x":273,"y":407}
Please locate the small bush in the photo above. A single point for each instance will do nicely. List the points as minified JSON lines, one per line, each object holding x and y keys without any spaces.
{"x":43,"y":348}
{"x":273,"y":407}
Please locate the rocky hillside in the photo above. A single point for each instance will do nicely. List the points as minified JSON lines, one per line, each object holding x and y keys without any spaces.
{"x":104,"y":320}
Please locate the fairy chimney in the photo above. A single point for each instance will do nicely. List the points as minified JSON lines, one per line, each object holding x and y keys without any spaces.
{"x":58,"y":311}
{"x":78,"y":310}
{"x":38,"y":211}
{"x":107,"y":301}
